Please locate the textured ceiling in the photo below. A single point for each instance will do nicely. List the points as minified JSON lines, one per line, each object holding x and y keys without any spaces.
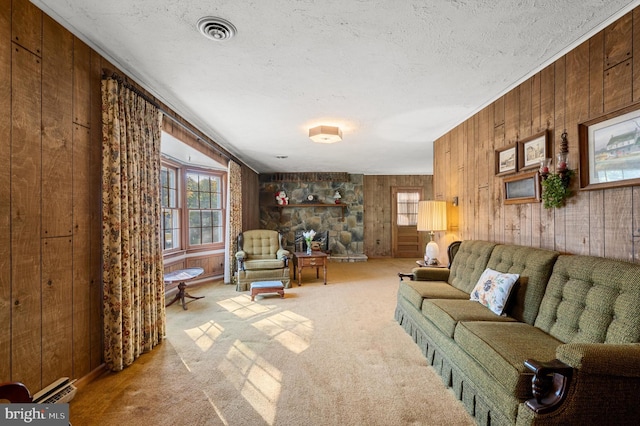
{"x":394,"y":75}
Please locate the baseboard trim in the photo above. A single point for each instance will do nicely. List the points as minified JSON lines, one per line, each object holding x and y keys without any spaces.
{"x":88,"y":378}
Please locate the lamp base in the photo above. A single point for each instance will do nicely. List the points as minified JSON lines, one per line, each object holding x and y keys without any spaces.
{"x":431,"y":253}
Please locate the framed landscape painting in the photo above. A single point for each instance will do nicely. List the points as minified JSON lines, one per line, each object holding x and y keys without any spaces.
{"x":506,"y":160}
{"x":610,"y":149}
{"x":532,"y":151}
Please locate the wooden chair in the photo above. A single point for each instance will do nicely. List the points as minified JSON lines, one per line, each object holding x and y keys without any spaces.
{"x":14,"y":392}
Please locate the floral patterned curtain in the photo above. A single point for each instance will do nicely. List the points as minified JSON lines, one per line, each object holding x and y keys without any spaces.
{"x":133,"y":287}
{"x":235,"y":216}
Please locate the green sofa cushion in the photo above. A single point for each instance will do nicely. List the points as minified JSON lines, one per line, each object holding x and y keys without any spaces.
{"x":445,"y":314}
{"x":263,"y":264}
{"x":592,"y":300}
{"x":469,"y":263}
{"x":501,"y":349}
{"x":416,"y":291}
{"x":534,"y":267}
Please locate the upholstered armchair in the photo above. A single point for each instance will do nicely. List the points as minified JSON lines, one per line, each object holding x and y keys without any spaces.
{"x":261,"y":257}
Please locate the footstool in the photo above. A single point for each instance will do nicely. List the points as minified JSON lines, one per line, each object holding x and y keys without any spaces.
{"x":258,"y":287}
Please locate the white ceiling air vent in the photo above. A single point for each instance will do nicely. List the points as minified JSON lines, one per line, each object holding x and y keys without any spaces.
{"x":217,"y":29}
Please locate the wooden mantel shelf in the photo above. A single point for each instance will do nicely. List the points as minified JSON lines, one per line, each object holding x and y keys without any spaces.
{"x":342,"y":206}
{"x":311,"y":205}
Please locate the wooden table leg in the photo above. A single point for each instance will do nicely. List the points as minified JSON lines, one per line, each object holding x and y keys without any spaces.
{"x":181,"y":295}
{"x":324,"y":271}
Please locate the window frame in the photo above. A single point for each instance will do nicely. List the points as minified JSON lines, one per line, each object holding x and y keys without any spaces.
{"x":185,"y":217}
{"x":178,"y":173}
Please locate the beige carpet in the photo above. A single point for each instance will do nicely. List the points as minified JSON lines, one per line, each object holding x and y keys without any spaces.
{"x":323,"y":355}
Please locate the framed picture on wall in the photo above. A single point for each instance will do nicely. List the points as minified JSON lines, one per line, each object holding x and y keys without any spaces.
{"x":506,"y":160}
{"x":523,"y":188}
{"x":610,"y":149}
{"x":532,"y":150}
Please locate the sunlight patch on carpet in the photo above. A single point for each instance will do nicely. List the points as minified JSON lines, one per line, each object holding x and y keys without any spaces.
{"x":205,"y":335}
{"x":258,"y":381}
{"x":243,"y":307}
{"x":291,"y":330}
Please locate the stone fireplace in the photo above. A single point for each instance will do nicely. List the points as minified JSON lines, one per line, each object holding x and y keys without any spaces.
{"x":311,"y":205}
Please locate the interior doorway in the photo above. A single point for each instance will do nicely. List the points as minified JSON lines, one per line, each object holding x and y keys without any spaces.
{"x":406,"y":240}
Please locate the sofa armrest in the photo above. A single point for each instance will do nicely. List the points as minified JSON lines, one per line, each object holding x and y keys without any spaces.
{"x":602,"y":358}
{"x":430,"y":274}
{"x":240,"y":257}
{"x":590,"y":368}
{"x":284,"y":255}
{"x":549,"y":385}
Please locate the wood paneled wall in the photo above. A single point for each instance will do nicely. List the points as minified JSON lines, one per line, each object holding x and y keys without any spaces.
{"x":599,"y":76}
{"x":378,"y":207}
{"x":250,"y":199}
{"x":50,"y":150}
{"x":50,"y":212}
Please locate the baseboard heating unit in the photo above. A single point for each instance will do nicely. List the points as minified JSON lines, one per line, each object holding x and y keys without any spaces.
{"x":58,"y":392}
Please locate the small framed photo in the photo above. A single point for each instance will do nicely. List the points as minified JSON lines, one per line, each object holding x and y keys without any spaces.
{"x":506,"y":160}
{"x":532,"y":150}
{"x":522,"y":188}
{"x":610,"y":149}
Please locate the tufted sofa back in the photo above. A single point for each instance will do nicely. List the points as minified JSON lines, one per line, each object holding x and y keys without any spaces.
{"x":260,"y":243}
{"x":534,"y":266}
{"x":469,"y":263}
{"x":592,"y":300}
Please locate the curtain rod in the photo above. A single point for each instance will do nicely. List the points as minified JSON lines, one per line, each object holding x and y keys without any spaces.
{"x":112,"y":74}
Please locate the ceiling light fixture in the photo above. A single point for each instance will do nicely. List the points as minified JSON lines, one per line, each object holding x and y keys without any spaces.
{"x":325,"y":134}
{"x":217,"y":29}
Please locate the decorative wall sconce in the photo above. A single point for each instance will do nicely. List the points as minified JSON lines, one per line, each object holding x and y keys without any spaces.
{"x":555,"y":186}
{"x":455,"y":202}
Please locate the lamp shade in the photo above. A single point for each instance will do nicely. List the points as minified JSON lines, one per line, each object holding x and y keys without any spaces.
{"x":325,"y":134}
{"x":432,"y":215}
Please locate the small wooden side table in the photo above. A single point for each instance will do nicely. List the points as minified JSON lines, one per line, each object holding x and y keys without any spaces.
{"x":315,"y":260}
{"x":183,"y":275}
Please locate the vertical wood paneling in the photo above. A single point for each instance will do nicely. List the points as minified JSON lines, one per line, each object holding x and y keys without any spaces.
{"x":378,"y":208}
{"x":57,"y":63}
{"x":619,"y":224}
{"x":525,"y":130}
{"x":83,"y":207}
{"x":636,"y":213}
{"x":636,"y":54}
{"x":5,"y":190}
{"x":81,"y":83}
{"x":95,"y":218}
{"x":560,"y":126}
{"x":596,"y":74}
{"x":26,"y":26}
{"x":596,"y":223}
{"x":26,"y":319}
{"x":577,"y":209}
{"x":547,"y":113}
{"x":57,"y":306}
{"x":618,"y":39}
{"x":617,"y":86}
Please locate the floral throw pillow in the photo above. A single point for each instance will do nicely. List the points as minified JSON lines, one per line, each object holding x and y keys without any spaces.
{"x":493,"y":289}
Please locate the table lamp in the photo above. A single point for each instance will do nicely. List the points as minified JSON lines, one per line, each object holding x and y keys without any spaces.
{"x":432,"y":217}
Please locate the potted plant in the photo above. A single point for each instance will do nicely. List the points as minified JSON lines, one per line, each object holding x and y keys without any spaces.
{"x":555,"y":189}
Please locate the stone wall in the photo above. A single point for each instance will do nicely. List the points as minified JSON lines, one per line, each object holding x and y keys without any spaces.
{"x":345,"y":225}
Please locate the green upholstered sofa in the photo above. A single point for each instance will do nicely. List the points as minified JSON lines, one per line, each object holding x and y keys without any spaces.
{"x":570,"y":331}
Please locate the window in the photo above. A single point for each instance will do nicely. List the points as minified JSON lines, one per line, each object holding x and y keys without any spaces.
{"x":170,"y":210}
{"x":408,"y":208}
{"x":204,"y":208}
